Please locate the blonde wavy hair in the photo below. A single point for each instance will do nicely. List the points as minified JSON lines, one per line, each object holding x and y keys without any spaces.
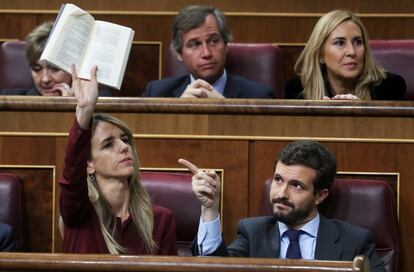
{"x":312,"y":73}
{"x":140,"y":205}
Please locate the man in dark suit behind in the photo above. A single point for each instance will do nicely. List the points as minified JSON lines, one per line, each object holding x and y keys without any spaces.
{"x":200,"y":37}
{"x":7,"y":242}
{"x":303,"y":175}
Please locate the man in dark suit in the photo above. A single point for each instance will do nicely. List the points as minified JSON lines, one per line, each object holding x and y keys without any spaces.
{"x":303,"y":175}
{"x":200,"y":37}
{"x":7,"y":242}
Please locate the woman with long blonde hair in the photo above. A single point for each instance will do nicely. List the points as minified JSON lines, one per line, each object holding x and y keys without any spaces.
{"x":337,"y":63}
{"x":104,"y":207}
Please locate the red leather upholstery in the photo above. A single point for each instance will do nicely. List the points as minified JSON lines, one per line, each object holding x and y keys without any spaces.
{"x":367,"y":203}
{"x":11,"y":205}
{"x":14,"y":69}
{"x":260,"y":62}
{"x":397,"y":56}
{"x":173,"y":191}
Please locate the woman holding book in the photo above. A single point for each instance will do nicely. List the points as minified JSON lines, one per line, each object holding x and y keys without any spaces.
{"x":48,"y":80}
{"x":104,"y":207}
{"x":337,"y":64}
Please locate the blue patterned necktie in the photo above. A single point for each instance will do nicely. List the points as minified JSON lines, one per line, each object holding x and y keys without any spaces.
{"x":293,"y":250}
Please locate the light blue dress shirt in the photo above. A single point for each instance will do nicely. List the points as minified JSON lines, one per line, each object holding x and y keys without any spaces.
{"x":219,"y":85}
{"x":209,"y":237}
{"x":307,"y":240}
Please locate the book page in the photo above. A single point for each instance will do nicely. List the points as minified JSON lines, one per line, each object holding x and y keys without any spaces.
{"x":68,"y":40}
{"x":109,"y":49}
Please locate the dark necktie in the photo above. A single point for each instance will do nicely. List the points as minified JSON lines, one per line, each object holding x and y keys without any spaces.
{"x":293,"y":250}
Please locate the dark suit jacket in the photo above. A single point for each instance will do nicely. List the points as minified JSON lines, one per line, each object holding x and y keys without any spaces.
{"x":391,"y":88}
{"x":7,"y":242}
{"x":259,"y":237}
{"x":236,"y":87}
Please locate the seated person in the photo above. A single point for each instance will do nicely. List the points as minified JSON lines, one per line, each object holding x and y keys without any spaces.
{"x":7,"y":242}
{"x":48,"y":80}
{"x":337,"y":63}
{"x":303,"y":175}
{"x":104,"y":206}
{"x":200,"y":37}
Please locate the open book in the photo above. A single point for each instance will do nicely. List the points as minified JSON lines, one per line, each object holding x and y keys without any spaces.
{"x":77,"y":38}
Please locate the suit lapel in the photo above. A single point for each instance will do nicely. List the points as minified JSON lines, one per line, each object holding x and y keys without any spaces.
{"x":270,"y":241}
{"x":181,"y":87}
{"x":231,"y":89}
{"x":327,"y":247}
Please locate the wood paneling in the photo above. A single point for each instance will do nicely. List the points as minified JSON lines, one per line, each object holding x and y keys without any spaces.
{"x":95,"y":262}
{"x":143,"y":66}
{"x":242,"y":137}
{"x":273,"y":28}
{"x":303,"y":6}
{"x":16,"y":26}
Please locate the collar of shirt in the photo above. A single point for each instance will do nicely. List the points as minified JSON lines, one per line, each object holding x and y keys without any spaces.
{"x":219,"y":85}
{"x":307,"y":242}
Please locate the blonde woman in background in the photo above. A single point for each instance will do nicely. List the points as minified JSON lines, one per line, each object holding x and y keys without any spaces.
{"x":337,"y":64}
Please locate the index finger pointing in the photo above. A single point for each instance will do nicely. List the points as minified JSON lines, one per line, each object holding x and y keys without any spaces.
{"x":190,"y":166}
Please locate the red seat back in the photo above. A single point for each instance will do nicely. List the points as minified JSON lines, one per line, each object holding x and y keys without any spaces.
{"x":173,"y":190}
{"x":14,"y":70}
{"x":11,"y":205}
{"x":397,"y":56}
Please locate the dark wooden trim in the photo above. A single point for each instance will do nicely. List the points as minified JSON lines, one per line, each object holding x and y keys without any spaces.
{"x":81,"y":262}
{"x":219,"y":106}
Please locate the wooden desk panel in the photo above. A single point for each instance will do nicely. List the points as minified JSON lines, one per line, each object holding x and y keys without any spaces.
{"x":101,"y":262}
{"x":242,"y":137}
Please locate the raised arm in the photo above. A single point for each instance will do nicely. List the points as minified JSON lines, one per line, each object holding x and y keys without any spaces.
{"x":74,"y":200}
{"x":206,"y":187}
{"x":86,"y":92}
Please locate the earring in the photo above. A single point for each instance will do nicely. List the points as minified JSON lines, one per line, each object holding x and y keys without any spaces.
{"x":92,"y":177}
{"x":321,"y":61}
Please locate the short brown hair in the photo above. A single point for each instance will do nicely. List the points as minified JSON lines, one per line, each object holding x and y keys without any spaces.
{"x":192,"y":17}
{"x":36,"y":42}
{"x":313,"y":155}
